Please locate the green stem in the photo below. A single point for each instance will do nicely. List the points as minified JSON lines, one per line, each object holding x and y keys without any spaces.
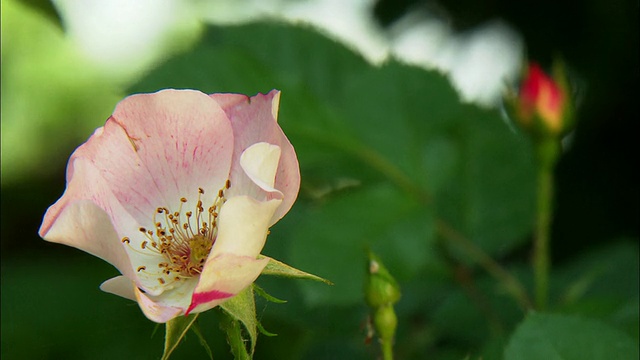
{"x":385,"y":322}
{"x":387,"y":350}
{"x":547,"y":152}
{"x":510,"y":282}
{"x":465,"y":279}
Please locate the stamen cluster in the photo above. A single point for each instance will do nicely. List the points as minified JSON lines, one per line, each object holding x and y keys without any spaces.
{"x":184,"y":243}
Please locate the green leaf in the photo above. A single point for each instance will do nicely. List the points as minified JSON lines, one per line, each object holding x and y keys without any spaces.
{"x":602,"y":283}
{"x":175,"y":331}
{"x":334,"y":235}
{"x":277,"y":268}
{"x":47,"y":8}
{"x":242,"y":309}
{"x":560,"y":337}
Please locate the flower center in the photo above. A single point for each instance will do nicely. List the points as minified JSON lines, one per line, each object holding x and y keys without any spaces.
{"x":183,"y":240}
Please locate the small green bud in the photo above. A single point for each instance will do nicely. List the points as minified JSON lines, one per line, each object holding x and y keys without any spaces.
{"x":381,"y":288}
{"x":381,"y":292}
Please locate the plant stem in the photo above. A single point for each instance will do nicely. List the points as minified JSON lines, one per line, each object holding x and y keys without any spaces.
{"x":547,"y":152}
{"x":464,"y":277}
{"x":510,"y":282}
{"x":387,"y":350}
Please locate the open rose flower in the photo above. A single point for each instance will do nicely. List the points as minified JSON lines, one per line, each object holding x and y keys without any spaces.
{"x":178,"y":191}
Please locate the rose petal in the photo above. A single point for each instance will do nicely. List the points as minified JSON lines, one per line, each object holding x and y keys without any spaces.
{"x":222,"y":277}
{"x":253,"y":121}
{"x":156,"y":311}
{"x":260,"y":163}
{"x":157,"y":148}
{"x":121,"y":286}
{"x":158,"y":308}
{"x":84,"y":225}
{"x":137,"y":163}
{"x":243,"y":224}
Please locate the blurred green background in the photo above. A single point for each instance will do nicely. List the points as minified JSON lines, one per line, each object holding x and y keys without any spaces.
{"x":387,"y":154}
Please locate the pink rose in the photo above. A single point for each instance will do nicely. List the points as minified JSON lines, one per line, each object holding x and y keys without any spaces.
{"x":178,"y":191}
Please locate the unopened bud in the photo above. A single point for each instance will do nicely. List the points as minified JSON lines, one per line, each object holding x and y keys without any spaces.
{"x":381,"y":292}
{"x":543,"y":105}
{"x":380,"y":288}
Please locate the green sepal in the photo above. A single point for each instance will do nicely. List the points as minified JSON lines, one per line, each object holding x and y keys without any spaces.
{"x":264,"y":332}
{"x":241,"y":309}
{"x":176,"y":329}
{"x":559,"y":75}
{"x":277,"y":268}
{"x":260,"y":291}
{"x":233,"y":329}
{"x":155,"y":330}
{"x":203,"y":341}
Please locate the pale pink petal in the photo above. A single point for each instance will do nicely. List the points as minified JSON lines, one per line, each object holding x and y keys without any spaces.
{"x":253,"y":121}
{"x":155,"y":311}
{"x":84,"y":225}
{"x":121,"y":286}
{"x":157,"y":148}
{"x":167,"y":304}
{"x":223,"y":277}
{"x":260,"y":163}
{"x":243,"y":224}
{"x":89,"y":217}
{"x":229,"y":100}
{"x":275,"y":104}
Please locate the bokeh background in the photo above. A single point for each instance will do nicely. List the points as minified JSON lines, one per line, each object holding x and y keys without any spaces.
{"x":65,"y":65}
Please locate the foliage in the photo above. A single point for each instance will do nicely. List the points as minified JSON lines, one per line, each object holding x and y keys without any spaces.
{"x":545,"y":336}
{"x":392,"y":161}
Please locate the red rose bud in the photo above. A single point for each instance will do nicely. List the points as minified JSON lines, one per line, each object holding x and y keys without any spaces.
{"x":543,"y":104}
